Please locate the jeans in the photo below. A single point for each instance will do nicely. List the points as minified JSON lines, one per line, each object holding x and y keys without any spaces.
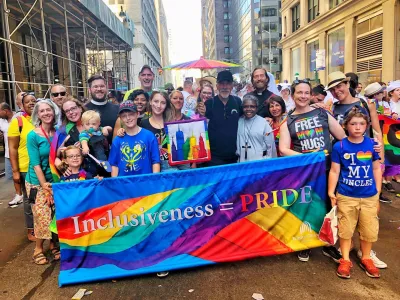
{"x":27,"y":205}
{"x":7,"y":164}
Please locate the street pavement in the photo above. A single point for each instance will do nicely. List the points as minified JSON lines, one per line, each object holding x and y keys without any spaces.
{"x":276,"y":277}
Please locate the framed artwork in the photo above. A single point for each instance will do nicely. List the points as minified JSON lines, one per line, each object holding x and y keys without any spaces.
{"x":188,"y":141}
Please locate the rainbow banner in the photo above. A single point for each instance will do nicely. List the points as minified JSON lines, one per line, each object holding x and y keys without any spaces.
{"x":391,"y":139}
{"x":135,"y":225}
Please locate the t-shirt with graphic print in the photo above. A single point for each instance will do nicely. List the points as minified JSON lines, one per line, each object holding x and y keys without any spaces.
{"x":356,"y":177}
{"x":309,"y":131}
{"x":160,"y":136}
{"x":134,"y":155}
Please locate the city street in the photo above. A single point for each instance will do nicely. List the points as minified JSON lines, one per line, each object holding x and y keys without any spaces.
{"x":279,"y":277}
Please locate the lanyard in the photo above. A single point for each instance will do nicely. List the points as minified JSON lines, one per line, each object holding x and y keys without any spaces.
{"x":45,"y":134}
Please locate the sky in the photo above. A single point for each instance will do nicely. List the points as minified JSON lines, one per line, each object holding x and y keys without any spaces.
{"x":184,"y":23}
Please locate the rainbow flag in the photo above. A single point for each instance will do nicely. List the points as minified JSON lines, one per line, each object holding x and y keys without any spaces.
{"x":135,"y":225}
{"x":391,"y":139}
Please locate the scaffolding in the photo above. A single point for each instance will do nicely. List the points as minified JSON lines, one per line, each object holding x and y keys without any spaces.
{"x":43,"y":42}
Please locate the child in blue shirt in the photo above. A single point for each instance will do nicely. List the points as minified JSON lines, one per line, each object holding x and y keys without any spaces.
{"x":137,"y":151}
{"x":356,"y":172}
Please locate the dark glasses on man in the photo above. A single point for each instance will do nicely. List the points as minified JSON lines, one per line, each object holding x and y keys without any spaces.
{"x":62,"y":94}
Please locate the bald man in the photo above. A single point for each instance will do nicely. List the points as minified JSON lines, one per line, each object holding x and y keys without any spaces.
{"x":58,"y":93}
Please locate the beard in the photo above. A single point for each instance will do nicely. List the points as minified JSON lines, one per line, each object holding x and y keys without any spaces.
{"x":94,"y":98}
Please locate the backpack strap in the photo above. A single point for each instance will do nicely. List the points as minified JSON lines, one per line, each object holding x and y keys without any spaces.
{"x":20,"y":124}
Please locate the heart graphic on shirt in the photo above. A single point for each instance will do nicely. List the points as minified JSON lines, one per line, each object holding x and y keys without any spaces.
{"x":364,"y":156}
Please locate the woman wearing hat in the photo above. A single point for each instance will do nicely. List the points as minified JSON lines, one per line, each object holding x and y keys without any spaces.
{"x":285,"y":94}
{"x":394,"y":94}
{"x":374,"y":93}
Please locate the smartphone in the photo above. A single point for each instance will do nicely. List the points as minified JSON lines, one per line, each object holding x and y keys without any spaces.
{"x":32,"y":195}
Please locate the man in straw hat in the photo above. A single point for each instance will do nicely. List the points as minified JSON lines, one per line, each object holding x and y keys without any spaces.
{"x":340,"y":88}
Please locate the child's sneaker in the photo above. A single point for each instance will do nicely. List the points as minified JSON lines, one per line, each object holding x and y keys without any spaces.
{"x":377,"y":262}
{"x":370,"y":269}
{"x":18,"y":199}
{"x":343,"y":271}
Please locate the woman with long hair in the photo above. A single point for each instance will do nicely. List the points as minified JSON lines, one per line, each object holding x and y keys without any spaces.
{"x":276,"y":110}
{"x":39,"y":177}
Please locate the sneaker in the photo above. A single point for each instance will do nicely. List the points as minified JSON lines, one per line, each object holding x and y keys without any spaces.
{"x":304,"y":255}
{"x":343,"y":271}
{"x":377,"y":262}
{"x":384,"y":199}
{"x":332,"y":252}
{"x":370,"y":269}
{"x":389,"y":187}
{"x":18,"y":199}
{"x":162,"y":274}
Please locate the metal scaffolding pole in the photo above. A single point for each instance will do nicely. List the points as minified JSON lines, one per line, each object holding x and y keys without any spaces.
{"x":105,"y":59}
{"x":45,"y":42}
{"x":51,"y":52}
{"x":71,"y":79}
{"x":84,"y":77}
{"x":6,"y":56}
{"x":128,"y":77}
{"x":10,"y":56}
{"x":98,"y":52}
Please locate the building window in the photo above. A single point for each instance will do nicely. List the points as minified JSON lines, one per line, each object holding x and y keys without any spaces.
{"x":312,"y":58}
{"x":296,"y":63}
{"x":227,"y":38}
{"x":121,"y":1}
{"x":313,"y":9}
{"x":336,"y":51}
{"x":334,"y":3}
{"x":295,"y":17}
{"x":111,"y":2}
{"x":268,"y":12}
{"x":226,"y":27}
{"x":227,"y":16}
{"x":228,"y":50}
{"x":227,"y":3}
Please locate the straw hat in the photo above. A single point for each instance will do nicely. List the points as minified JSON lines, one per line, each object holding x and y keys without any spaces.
{"x":335,"y":78}
{"x":372,"y":89}
{"x":209,"y":79}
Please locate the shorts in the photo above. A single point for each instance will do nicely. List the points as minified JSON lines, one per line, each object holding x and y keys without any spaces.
{"x":361,"y":213}
{"x":7,"y":165}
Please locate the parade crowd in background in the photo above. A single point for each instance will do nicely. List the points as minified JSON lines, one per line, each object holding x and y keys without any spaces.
{"x":112,"y":135}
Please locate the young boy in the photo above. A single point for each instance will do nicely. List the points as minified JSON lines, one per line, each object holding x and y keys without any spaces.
{"x":94,"y":135}
{"x":356,"y":170}
{"x":137,"y":151}
{"x":255,"y":139}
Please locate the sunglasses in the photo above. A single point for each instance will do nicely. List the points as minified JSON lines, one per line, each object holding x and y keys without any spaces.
{"x":62,"y":94}
{"x":298,"y":81}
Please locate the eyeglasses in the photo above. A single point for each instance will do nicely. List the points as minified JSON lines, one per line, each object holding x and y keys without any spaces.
{"x":74,"y":156}
{"x":62,"y":94}
{"x":72,"y":109}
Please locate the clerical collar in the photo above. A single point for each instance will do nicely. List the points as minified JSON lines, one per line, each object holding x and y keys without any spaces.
{"x":98,"y":103}
{"x":259,"y":94}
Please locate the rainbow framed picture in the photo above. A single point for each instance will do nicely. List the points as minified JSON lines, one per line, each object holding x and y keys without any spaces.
{"x":188,"y":141}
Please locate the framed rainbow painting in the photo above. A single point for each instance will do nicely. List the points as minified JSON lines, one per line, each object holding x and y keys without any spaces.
{"x":188,"y":141}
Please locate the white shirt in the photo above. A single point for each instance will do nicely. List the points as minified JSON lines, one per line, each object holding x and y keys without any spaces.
{"x":395,"y":107}
{"x":4,"y":128}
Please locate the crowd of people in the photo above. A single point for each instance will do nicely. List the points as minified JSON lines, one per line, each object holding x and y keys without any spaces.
{"x":82,"y":140}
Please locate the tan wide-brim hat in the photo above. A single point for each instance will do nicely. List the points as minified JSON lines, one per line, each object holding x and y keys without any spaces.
{"x":209,"y":79}
{"x":335,"y":78}
{"x":372,"y":89}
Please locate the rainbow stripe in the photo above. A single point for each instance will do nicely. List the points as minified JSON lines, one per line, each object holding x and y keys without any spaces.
{"x":391,"y":140}
{"x":190,"y":218}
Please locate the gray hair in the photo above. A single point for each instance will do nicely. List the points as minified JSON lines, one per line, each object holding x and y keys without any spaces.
{"x":249,"y":97}
{"x":35,"y":118}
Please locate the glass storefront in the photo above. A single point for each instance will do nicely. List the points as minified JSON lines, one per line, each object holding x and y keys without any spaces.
{"x":312,"y":58}
{"x":336,"y":51}
{"x":296,"y":63}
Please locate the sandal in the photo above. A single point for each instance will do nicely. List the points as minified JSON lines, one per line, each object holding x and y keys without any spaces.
{"x":56,"y":253}
{"x":40,"y":259}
